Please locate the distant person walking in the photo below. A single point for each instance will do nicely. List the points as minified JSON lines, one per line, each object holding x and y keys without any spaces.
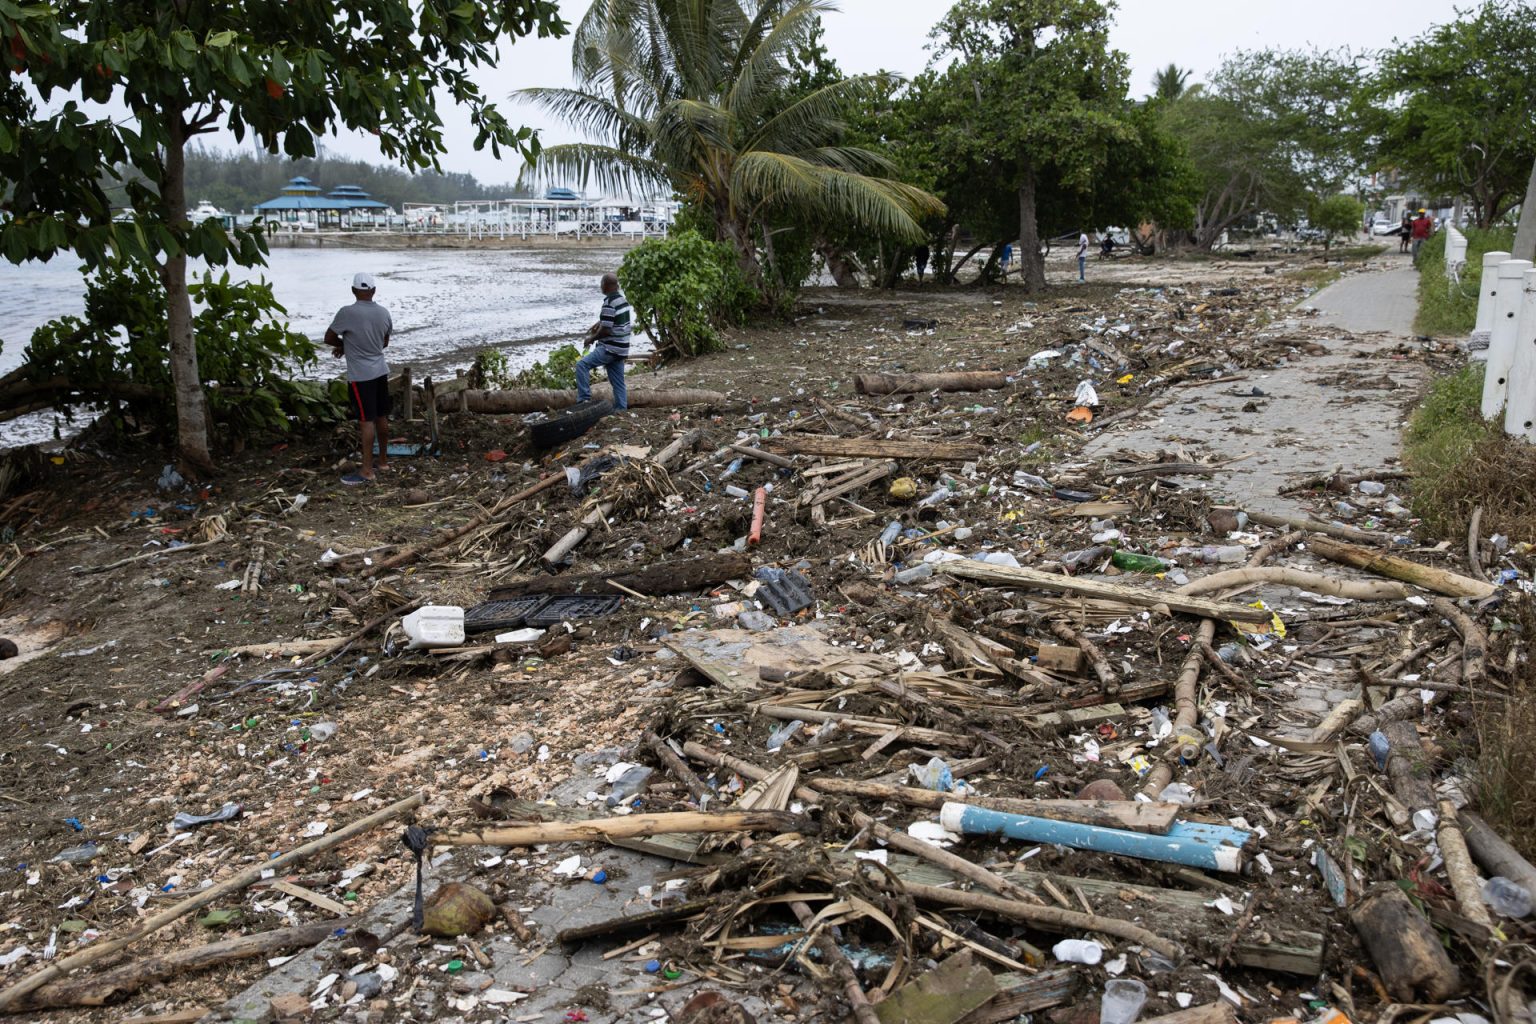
{"x":1422,"y":228}
{"x":361,"y":333}
{"x":1405,"y":232}
{"x":920,"y":260}
{"x":1007,"y":259}
{"x":1082,"y":256}
{"x":611,"y":333}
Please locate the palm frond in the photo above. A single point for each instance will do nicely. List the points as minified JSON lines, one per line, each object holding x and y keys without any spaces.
{"x":613,"y":170}
{"x":594,"y":115}
{"x":873,"y":204}
{"x":816,"y":118}
{"x":764,"y":68}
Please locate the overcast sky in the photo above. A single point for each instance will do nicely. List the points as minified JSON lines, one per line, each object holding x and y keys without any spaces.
{"x":868,"y":35}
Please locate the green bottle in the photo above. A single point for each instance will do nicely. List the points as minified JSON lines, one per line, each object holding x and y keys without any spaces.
{"x":1132,"y":562}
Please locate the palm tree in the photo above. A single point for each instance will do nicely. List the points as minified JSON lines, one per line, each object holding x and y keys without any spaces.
{"x":691,"y":96}
{"x":1168,"y":83}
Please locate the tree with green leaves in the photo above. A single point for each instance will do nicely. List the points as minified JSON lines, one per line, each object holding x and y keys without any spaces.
{"x":280,"y":73}
{"x":1036,"y":94}
{"x":1337,"y":216}
{"x":1452,"y":108}
{"x":1271,"y":130}
{"x":693,"y":97}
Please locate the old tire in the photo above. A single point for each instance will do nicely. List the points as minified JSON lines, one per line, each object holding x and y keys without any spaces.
{"x":568,"y":424}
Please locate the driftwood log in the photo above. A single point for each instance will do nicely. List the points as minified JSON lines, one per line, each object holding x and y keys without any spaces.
{"x":1021,"y":578}
{"x":1407,"y":766}
{"x":675,"y":577}
{"x":627,"y":827}
{"x":548,"y":399}
{"x":875,"y":448}
{"x":911,"y":383}
{"x":1409,"y":957}
{"x":121,"y":982}
{"x":1427,"y":576}
{"x":1497,"y":857}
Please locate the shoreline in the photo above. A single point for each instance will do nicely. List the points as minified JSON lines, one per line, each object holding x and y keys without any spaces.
{"x":392,"y":241}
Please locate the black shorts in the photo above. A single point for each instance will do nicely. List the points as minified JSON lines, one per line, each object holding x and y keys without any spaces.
{"x":370,"y":398}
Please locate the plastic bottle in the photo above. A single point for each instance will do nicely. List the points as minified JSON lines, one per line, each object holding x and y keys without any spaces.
{"x":939,"y":494}
{"x":1371,"y":487}
{"x":784,"y":733}
{"x":890,"y":533}
{"x":1132,"y":562}
{"x":1226,"y":553}
{"x":1078,"y":951}
{"x":914,"y":574}
{"x":1087,"y":556}
{"x":629,"y":786}
{"x":965,"y":533}
{"x":1507,"y":898}
{"x":1122,"y":1002}
{"x":737,"y":492}
{"x":732,"y":469}
{"x":1177,"y":793}
{"x":1030,"y":480}
{"x":82,"y":854}
{"x":1380,"y":747}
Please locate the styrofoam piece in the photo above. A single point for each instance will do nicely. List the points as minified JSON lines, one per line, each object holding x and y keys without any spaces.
{"x":1485,"y":295}
{"x":1501,"y":342}
{"x":1520,"y":411}
{"x":434,"y":625}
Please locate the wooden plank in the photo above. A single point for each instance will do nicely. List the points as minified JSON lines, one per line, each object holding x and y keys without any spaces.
{"x":874,"y":448}
{"x":911,"y":383}
{"x":1427,"y":576}
{"x":1059,"y":659}
{"x":1021,"y":578}
{"x":312,"y":897}
{"x":878,"y":472}
{"x":1069,"y":718}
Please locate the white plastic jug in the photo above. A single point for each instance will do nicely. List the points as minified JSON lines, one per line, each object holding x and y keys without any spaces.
{"x":434,"y":625}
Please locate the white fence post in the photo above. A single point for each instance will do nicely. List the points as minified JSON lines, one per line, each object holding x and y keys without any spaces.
{"x":1501,"y":344}
{"x":1485,"y":298}
{"x":1520,"y":417}
{"x":1455,"y":253}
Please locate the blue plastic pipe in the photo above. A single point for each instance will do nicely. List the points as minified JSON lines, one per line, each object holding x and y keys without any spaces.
{"x":1194,"y":844}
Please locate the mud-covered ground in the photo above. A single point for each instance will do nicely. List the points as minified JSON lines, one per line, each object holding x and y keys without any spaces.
{"x":112,"y":621}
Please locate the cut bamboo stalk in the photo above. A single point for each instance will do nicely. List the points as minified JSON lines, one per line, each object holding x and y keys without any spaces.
{"x":875,"y":448}
{"x":1019,"y":577}
{"x":1047,"y":917}
{"x":1359,"y":590}
{"x":12,"y":998}
{"x":1459,"y":868}
{"x":1430,"y":578}
{"x":626,"y":827}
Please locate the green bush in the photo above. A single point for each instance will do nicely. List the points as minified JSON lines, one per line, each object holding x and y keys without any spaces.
{"x":1338,"y":215}
{"x":1446,"y":308}
{"x":557,"y":370}
{"x":684,"y":288}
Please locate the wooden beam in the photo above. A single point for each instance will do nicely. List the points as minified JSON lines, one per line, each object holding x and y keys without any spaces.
{"x":911,"y":383}
{"x":1438,"y":580}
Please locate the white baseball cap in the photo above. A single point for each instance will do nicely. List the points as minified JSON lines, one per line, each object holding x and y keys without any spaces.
{"x":363,"y":282}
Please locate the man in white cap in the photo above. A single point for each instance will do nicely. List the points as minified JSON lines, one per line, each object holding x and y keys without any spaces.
{"x":361,"y":333}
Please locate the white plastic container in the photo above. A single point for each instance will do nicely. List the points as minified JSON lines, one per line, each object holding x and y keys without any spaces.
{"x":434,"y":625}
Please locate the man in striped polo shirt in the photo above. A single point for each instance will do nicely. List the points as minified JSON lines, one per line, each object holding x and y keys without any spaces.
{"x":611,"y":333}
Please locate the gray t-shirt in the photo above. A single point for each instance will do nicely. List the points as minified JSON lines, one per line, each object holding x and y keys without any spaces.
{"x":364,"y":326}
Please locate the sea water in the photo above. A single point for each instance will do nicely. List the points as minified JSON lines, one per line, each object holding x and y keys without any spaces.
{"x":447,"y":304}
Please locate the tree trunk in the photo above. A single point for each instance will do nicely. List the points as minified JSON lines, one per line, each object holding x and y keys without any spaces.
{"x":1031,"y":263}
{"x":191,"y":403}
{"x":739,"y":235}
{"x":840,"y":267}
{"x":1525,"y":236}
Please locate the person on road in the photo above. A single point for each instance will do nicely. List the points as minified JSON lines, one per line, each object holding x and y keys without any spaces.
{"x":920,"y":260}
{"x":1422,"y":228}
{"x":1082,"y":256}
{"x":361,"y":333}
{"x":1405,"y":232}
{"x":611,"y":334}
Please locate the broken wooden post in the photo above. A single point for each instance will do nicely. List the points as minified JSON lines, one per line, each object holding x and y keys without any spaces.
{"x":1108,"y":677}
{"x":1503,"y":335}
{"x":1520,"y":409}
{"x":1459,"y":869}
{"x":678,"y":576}
{"x":1407,"y":766}
{"x":1427,"y":576}
{"x":463,"y":403}
{"x":911,"y":383}
{"x":1019,"y":577}
{"x":1408,"y":954}
{"x":407,"y":395}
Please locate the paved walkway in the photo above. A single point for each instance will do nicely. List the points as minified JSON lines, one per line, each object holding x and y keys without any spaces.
{"x":1346,"y":408}
{"x":1384,"y":301}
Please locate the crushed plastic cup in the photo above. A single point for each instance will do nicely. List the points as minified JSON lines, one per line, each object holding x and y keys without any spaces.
{"x":1122,"y":1002}
{"x":1177,"y":793}
{"x":1507,"y":898}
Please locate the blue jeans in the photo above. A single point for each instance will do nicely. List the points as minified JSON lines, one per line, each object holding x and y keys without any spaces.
{"x":600,"y":356}
{"x":1082,"y":267}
